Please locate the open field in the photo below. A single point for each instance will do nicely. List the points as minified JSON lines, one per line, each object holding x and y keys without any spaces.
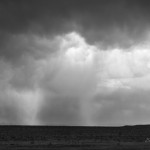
{"x":103,"y":146}
{"x":74,"y":138}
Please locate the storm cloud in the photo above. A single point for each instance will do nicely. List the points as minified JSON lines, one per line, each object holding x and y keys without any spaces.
{"x":74,"y":62}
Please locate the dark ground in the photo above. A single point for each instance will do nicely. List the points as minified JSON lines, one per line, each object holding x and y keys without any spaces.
{"x":74,"y":138}
{"x":124,"y":146}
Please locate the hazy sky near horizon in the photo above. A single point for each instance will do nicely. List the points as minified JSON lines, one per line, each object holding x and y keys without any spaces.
{"x":75,"y":62}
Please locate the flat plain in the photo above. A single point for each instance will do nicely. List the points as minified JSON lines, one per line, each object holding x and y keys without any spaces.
{"x":74,"y":138}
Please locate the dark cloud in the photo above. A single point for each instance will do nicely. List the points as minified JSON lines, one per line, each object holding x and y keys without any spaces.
{"x":18,"y":16}
{"x":121,"y":22}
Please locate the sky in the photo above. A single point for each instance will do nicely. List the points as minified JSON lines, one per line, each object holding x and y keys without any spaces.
{"x":74,"y":62}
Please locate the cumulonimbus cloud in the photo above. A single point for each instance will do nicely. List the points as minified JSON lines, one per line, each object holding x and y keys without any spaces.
{"x":66,"y":71}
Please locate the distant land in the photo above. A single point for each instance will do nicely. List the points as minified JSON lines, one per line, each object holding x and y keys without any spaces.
{"x":74,"y":136}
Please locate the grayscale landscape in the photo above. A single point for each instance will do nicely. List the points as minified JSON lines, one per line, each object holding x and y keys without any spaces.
{"x":75,"y":74}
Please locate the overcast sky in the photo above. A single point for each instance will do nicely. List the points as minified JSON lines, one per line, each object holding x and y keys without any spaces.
{"x":75,"y":62}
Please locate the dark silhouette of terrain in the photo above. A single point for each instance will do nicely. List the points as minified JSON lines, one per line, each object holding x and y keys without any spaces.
{"x":68,"y":137}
